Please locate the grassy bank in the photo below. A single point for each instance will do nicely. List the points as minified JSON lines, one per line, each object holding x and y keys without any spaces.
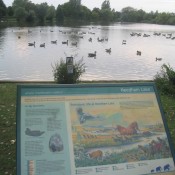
{"x":8,"y":125}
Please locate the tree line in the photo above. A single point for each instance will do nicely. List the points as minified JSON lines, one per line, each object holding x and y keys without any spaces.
{"x":26,"y":11}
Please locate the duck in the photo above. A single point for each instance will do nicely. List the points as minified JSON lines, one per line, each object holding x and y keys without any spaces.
{"x":54,"y":42}
{"x":158,"y":59}
{"x":31,"y":44}
{"x":108,"y":50}
{"x":65,"y":42}
{"x":29,"y":31}
{"x":42,"y":45}
{"x":92,"y":54}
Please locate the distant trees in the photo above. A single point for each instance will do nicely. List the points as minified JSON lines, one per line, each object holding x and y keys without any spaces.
{"x":3,"y":9}
{"x":20,"y":14}
{"x":25,"y":10}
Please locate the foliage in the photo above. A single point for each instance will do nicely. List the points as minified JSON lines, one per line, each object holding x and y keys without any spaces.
{"x":3,"y":9}
{"x":165,"y":80}
{"x":59,"y":14}
{"x":106,"y":5}
{"x":50,"y":13}
{"x":20,"y":14}
{"x":73,"y":10}
{"x":10,"y":11}
{"x":61,"y":75}
{"x":30,"y":17}
{"x":41,"y":11}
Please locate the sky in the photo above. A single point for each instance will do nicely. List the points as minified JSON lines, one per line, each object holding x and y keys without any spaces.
{"x":146,"y":5}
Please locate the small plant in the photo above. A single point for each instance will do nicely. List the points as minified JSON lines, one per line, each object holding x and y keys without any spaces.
{"x":61,"y":75}
{"x":165,"y":80}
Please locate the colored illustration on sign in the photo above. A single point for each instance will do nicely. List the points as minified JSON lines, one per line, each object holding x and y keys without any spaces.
{"x":118,"y":130}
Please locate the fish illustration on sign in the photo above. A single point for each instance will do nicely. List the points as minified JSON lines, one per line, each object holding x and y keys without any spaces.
{"x":35,"y":133}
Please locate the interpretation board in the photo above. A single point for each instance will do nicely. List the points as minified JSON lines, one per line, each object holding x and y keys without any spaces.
{"x":91,"y":129}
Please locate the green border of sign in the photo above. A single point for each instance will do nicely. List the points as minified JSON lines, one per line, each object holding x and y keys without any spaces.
{"x":86,"y":89}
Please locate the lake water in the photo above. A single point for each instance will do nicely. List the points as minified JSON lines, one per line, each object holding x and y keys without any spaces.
{"x":20,"y":62}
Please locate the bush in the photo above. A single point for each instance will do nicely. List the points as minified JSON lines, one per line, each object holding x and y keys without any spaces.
{"x":61,"y":75}
{"x":165,"y":80}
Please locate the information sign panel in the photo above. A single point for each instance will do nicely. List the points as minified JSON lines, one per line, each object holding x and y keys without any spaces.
{"x":91,"y":129}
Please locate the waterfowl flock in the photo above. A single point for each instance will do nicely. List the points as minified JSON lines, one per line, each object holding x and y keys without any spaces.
{"x":82,"y":34}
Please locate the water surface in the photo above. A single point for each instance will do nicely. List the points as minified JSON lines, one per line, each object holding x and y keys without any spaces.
{"x":21,"y":62}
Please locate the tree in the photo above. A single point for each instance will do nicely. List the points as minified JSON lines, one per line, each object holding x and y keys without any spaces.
{"x":85,"y":13}
{"x":128,"y":14}
{"x":50,"y":13}
{"x":20,"y":14}
{"x":96,"y":12}
{"x":19,"y":3}
{"x":59,"y":14}
{"x":106,"y":15}
{"x":3,"y":9}
{"x":106,"y":5}
{"x":10,"y":11}
{"x":41,"y":11}
{"x":75,"y":3}
{"x":30,"y":16}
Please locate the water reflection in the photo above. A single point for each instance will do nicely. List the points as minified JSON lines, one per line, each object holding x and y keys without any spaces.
{"x":19,"y":61}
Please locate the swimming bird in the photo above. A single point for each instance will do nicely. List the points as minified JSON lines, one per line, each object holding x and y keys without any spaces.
{"x":74,"y":44}
{"x":92,"y":54}
{"x":31,"y":44}
{"x":158,"y":59}
{"x":54,"y":42}
{"x":124,"y":42}
{"x":90,"y":39}
{"x":108,"y":50}
{"x":65,"y":42}
{"x":42,"y":45}
{"x":139,"y":53}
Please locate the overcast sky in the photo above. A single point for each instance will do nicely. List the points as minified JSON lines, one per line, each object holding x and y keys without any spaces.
{"x":146,"y":5}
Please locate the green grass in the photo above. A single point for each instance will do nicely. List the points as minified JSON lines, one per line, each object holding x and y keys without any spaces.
{"x":8,"y":125}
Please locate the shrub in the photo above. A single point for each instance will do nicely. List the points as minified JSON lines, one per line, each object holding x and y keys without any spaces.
{"x":61,"y":75}
{"x":165,"y":80}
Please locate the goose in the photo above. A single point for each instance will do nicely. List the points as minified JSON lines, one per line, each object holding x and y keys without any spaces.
{"x":54,"y":42}
{"x":92,"y":54}
{"x":74,"y":44}
{"x":31,"y":44}
{"x":158,"y":59}
{"x":100,"y":40}
{"x":108,"y":50}
{"x":65,"y":42}
{"x":90,"y":39}
{"x":139,"y":53}
{"x":42,"y":45}
{"x":124,"y":42}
